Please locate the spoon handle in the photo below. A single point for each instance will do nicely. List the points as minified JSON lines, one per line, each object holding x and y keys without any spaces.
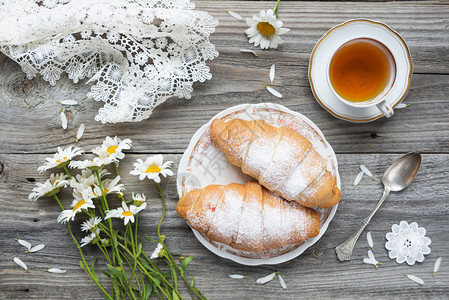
{"x":344,"y":250}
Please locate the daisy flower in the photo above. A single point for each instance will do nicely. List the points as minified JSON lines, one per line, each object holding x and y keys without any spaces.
{"x":87,"y":178}
{"x":90,"y":224}
{"x":112,"y":148}
{"x":61,"y":158}
{"x":264,"y":30}
{"x":78,"y":204}
{"x":109,"y":186}
{"x":125,"y":213}
{"x":139,"y":199}
{"x":50,"y":187}
{"x":152,"y":167}
{"x":92,"y":238}
{"x":94,"y":164}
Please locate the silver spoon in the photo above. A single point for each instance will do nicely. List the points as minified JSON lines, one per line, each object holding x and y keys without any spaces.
{"x":396,"y":178}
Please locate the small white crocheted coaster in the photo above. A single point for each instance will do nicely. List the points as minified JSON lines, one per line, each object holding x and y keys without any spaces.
{"x":407,"y":243}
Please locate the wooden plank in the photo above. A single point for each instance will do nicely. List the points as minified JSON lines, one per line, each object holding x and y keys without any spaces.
{"x":29,"y":109}
{"x":307,"y":276}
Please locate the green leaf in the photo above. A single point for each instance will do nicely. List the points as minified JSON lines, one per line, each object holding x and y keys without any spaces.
{"x":117,"y":289}
{"x":151,"y":240}
{"x":193,"y":282}
{"x":116,"y":272}
{"x":174,"y":277}
{"x":92,"y":268}
{"x":175,"y":295}
{"x":139,"y":250}
{"x":106,"y":273}
{"x":148,"y":289}
{"x":166,"y":274}
{"x":184,"y":264}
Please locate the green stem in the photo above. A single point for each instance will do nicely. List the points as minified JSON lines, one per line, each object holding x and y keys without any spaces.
{"x":59,"y":202}
{"x":67,"y":171}
{"x":161,"y":193}
{"x":275,"y":9}
{"x":85,"y":263}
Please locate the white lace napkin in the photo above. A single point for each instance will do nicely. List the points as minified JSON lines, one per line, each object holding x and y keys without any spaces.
{"x":407,"y":243}
{"x":139,"y":52}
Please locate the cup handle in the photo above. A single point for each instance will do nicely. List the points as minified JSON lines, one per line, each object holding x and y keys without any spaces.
{"x":385,"y":108}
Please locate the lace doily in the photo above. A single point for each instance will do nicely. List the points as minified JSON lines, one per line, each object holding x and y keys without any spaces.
{"x":139,"y":52}
{"x":407,"y":243}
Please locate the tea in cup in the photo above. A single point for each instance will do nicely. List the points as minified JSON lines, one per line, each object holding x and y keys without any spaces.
{"x":361,"y":72}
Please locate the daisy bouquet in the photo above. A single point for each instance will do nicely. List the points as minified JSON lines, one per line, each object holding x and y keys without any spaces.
{"x":133,"y":274}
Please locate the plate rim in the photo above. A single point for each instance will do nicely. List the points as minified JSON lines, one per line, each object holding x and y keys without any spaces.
{"x":350,"y":23}
{"x":257,"y":261}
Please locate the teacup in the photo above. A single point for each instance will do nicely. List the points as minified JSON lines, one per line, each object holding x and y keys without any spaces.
{"x":361,"y":73}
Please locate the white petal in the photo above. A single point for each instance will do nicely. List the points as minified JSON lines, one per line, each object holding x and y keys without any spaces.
{"x":237,"y":276}
{"x":24,"y":243}
{"x":234,"y":15}
{"x":371,"y":255}
{"x":282,"y":282}
{"x":415,"y":279}
{"x":156,"y":251}
{"x":69,"y":102}
{"x":63,"y":120}
{"x":437,"y":265}
{"x":20,"y":263}
{"x":80,"y":132}
{"x":274,"y":92}
{"x":402,"y":105}
{"x":369,"y":261}
{"x":37,"y":248}
{"x":272,"y":70}
{"x":358,"y":178}
{"x":369,"y":238}
{"x":366,"y":171}
{"x":56,"y":270}
{"x":267,"y":278}
{"x":249,"y":51}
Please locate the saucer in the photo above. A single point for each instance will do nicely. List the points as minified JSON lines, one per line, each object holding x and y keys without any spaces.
{"x":331,"y":41}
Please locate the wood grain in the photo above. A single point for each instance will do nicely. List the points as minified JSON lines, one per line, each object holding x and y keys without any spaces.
{"x":316,"y":273}
{"x":30,"y":130}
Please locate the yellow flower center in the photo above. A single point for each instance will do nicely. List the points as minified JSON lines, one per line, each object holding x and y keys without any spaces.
{"x":64,"y":158}
{"x":77,"y":205}
{"x":111,"y":149}
{"x":127,"y":213}
{"x":266,"y":28}
{"x":153,"y":169}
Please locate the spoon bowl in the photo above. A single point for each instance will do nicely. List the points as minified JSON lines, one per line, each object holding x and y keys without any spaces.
{"x":401,"y":173}
{"x":396,"y":178}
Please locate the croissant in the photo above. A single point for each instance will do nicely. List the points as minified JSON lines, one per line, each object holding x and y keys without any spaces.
{"x":281,"y":159}
{"x":247,"y":217}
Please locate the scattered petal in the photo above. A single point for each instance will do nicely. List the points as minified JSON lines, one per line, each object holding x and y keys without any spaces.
{"x":237,"y":276}
{"x":274,"y":92}
{"x":415,"y":279}
{"x":266,"y":279}
{"x":56,"y":270}
{"x":358,"y":178}
{"x":24,"y":243}
{"x":272,"y":70}
{"x":367,"y":172}
{"x":37,"y":248}
{"x":437,"y":265}
{"x":234,"y":15}
{"x":63,"y":120}
{"x":20,"y":263}
{"x":371,"y":255}
{"x":402,"y":105}
{"x":369,"y":238}
{"x":371,"y":260}
{"x":69,"y":102}
{"x":282,"y":282}
{"x":80,"y":132}
{"x":249,"y":51}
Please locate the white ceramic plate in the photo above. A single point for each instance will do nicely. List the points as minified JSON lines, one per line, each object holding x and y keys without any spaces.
{"x":339,"y":35}
{"x":202,"y":164}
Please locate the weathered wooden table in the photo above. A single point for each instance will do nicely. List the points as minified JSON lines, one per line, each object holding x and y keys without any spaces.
{"x":30,"y":130}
